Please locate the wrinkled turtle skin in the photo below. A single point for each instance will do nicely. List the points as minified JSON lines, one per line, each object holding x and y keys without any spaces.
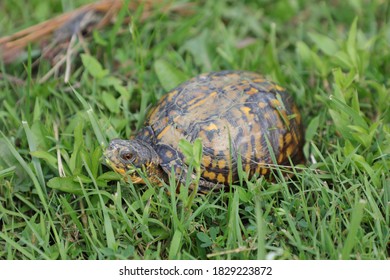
{"x":238,"y":115}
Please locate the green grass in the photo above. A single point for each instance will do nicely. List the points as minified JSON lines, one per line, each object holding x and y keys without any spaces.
{"x":57,"y":201}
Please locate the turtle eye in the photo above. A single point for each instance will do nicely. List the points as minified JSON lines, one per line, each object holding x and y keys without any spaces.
{"x":129,"y":157}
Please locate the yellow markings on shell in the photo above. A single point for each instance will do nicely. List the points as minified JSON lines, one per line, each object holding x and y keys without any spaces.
{"x":146,"y":132}
{"x":211,"y":126}
{"x":280,"y":157}
{"x":274,"y":87}
{"x":169,"y":154}
{"x":297,"y":114}
{"x":264,"y":171}
{"x":247,"y":168}
{"x":163,"y":132}
{"x":199,"y":96}
{"x":222,"y":164}
{"x":259,"y":80}
{"x":210,"y":175}
{"x":221,"y":178}
{"x":229,"y":176}
{"x":258,"y":169}
{"x":171,"y":95}
{"x":281,"y":141}
{"x":202,"y":101}
{"x":246,"y":111}
{"x":252,"y":91}
{"x":206,"y":161}
{"x":287,"y":138}
{"x":278,"y":88}
{"x":298,"y":118}
{"x":267,"y":116}
{"x":177,"y":118}
{"x":212,"y":95}
{"x":274,"y":103}
{"x":232,"y":76}
{"x":295,"y":137}
{"x":152,"y":114}
{"x":289,"y":150}
{"x":262,"y":105}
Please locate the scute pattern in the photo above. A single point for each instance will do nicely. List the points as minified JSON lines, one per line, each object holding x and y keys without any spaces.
{"x":237,"y":114}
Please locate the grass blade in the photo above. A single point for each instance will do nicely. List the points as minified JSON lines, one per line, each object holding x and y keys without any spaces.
{"x":36,"y":162}
{"x":110,"y":236}
{"x":39,"y":190}
{"x":17,"y":246}
{"x":175,"y":245}
{"x":36,"y":183}
{"x":95,"y":125}
{"x":261,"y":254}
{"x":351,"y":240}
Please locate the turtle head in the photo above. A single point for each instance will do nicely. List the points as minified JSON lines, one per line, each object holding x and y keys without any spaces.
{"x":129,"y":157}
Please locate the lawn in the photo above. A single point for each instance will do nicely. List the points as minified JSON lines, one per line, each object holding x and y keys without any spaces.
{"x":58,"y":201}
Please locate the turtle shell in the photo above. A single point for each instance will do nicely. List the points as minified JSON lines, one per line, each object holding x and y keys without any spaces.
{"x":239,"y":115}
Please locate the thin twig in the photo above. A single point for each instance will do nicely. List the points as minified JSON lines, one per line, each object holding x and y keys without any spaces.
{"x":237,"y":250}
{"x":69,"y":58}
{"x":61,"y":170}
{"x":90,"y":16}
{"x":55,"y":68}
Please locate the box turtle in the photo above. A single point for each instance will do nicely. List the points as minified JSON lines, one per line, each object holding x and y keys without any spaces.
{"x":238,"y":115}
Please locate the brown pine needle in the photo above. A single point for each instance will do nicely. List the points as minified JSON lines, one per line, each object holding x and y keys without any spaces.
{"x":86,"y":18}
